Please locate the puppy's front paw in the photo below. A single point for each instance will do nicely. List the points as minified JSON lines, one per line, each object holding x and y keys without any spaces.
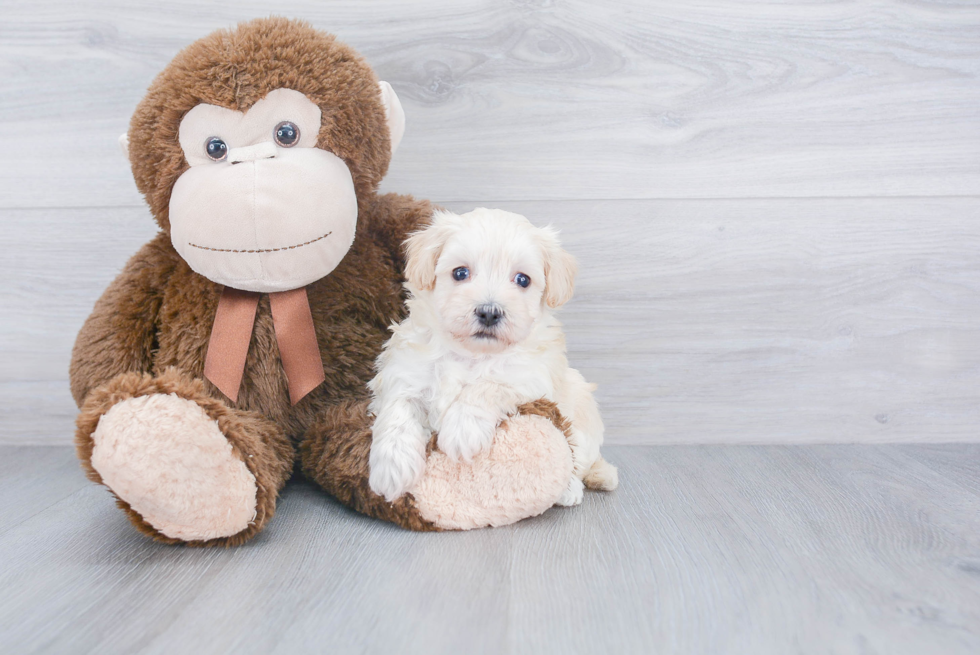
{"x":396,"y":465}
{"x":466,"y":431}
{"x":573,"y":493}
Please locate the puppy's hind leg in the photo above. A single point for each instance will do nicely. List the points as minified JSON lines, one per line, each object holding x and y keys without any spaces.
{"x":586,"y":435}
{"x":603,"y":476}
{"x":573,"y":493}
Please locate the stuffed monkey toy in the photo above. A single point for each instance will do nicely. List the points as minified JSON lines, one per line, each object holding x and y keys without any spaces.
{"x":236,"y":345}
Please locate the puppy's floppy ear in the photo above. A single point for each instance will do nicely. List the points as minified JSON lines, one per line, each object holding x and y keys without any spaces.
{"x":422,"y":250}
{"x":559,"y":269}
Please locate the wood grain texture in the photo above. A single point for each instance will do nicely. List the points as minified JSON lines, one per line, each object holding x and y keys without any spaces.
{"x":722,"y":549}
{"x":548,"y":100}
{"x":702,"y":321}
{"x":42,"y":477}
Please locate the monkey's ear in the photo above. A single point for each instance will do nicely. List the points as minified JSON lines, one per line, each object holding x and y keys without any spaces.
{"x":559,"y":269}
{"x":124,"y":144}
{"x":423,"y":248}
{"x":393,"y":113}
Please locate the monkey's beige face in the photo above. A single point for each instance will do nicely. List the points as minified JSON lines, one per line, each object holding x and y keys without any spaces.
{"x":261,"y":208}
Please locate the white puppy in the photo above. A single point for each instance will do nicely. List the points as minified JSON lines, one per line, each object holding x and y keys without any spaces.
{"x":479,"y":341}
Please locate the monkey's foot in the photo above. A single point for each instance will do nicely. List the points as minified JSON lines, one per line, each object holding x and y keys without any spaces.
{"x":524,"y":473}
{"x":168,"y":460}
{"x":185,"y":467}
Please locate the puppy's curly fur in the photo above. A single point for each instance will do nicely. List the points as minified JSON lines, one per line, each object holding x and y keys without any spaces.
{"x":480,"y":340}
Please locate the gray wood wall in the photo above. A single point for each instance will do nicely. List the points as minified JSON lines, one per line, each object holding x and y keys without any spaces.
{"x":776,"y":205}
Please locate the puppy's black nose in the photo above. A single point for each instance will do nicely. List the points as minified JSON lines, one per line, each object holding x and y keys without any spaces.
{"x":489,"y":315}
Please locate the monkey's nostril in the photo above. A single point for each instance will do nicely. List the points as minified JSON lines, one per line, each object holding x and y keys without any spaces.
{"x":265,"y":150}
{"x":489,"y":315}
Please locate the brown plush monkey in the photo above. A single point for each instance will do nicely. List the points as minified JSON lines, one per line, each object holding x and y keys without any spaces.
{"x":238,"y":342}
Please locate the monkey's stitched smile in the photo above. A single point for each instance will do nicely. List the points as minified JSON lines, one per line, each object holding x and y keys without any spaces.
{"x":298,"y":245}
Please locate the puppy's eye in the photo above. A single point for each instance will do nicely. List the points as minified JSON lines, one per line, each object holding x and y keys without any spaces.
{"x":461,"y":273}
{"x":286,"y":134}
{"x":522,"y":280}
{"x":216,"y":149}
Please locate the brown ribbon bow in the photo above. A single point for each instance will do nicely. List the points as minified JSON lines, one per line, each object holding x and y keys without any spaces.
{"x":295,"y":334}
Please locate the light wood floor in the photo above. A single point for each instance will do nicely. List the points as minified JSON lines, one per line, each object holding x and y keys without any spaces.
{"x":704,"y":549}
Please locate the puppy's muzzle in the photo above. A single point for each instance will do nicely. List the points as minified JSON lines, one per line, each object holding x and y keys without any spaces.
{"x":489,"y":315}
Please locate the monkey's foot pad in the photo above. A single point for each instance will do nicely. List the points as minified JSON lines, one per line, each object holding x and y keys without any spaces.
{"x":168,"y":460}
{"x":522,"y":475}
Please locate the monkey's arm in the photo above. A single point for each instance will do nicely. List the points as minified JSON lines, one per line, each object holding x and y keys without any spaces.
{"x":393,"y":217}
{"x":119,"y":335}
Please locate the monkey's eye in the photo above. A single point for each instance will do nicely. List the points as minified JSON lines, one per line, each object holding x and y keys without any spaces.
{"x":287,"y":134}
{"x":522,"y":280}
{"x":216,"y":149}
{"x":461,"y":273}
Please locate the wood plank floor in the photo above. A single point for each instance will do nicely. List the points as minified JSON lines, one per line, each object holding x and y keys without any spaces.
{"x":704,"y":549}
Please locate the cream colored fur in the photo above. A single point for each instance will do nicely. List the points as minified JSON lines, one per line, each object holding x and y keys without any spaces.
{"x":459,"y":496}
{"x":394,"y":114}
{"x":444,"y":371}
{"x":226,"y":217}
{"x":167,"y":458}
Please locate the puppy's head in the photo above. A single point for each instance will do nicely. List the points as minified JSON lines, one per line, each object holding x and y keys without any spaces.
{"x":488,"y":276}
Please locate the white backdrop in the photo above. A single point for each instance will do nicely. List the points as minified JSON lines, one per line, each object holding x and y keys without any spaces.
{"x":775,"y":205}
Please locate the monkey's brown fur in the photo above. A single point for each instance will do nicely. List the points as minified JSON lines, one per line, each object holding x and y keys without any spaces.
{"x":235,"y":69}
{"x":149,"y":331}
